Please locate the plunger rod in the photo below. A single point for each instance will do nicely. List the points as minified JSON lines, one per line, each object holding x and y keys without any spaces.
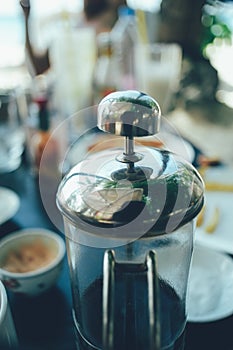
{"x":129,"y":146}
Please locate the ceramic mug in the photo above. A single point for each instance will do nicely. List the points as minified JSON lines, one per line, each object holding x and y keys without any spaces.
{"x":8,"y":337}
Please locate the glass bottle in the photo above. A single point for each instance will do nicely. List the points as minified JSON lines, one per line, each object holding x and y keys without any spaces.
{"x":125,"y":37}
{"x":43,"y":145}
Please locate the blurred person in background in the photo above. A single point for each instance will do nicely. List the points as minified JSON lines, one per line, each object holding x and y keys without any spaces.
{"x":98,"y":14}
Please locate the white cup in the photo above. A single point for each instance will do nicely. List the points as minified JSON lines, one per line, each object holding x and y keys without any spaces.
{"x":8,"y":337}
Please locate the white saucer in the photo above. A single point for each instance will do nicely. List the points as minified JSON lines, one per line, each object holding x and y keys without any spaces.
{"x":9,"y":204}
{"x":210,"y":287}
{"x":222,"y":238}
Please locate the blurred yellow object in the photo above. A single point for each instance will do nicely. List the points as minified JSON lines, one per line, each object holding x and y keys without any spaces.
{"x":211,"y":227}
{"x":216,"y":186}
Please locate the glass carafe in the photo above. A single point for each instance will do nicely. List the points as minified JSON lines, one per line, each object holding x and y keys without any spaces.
{"x":129,"y":218}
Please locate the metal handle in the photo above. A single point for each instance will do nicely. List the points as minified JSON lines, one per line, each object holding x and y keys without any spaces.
{"x":108,"y":300}
{"x":153,"y":300}
{"x":150,"y":267}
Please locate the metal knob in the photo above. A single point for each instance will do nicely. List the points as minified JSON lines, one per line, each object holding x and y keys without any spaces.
{"x":129,"y":113}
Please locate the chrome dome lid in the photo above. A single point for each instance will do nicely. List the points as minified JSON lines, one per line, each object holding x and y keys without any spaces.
{"x":135,"y":191}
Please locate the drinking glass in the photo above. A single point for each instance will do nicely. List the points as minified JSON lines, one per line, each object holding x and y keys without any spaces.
{"x":158,"y":70}
{"x":12,"y":135}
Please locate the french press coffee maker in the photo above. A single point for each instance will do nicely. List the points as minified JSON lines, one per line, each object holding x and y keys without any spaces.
{"x":129,"y":217}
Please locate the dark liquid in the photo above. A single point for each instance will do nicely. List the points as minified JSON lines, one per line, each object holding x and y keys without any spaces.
{"x":131,"y":327}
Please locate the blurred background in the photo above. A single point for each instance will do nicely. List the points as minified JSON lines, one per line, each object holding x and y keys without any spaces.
{"x":207,"y":24}
{"x":72,"y":52}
